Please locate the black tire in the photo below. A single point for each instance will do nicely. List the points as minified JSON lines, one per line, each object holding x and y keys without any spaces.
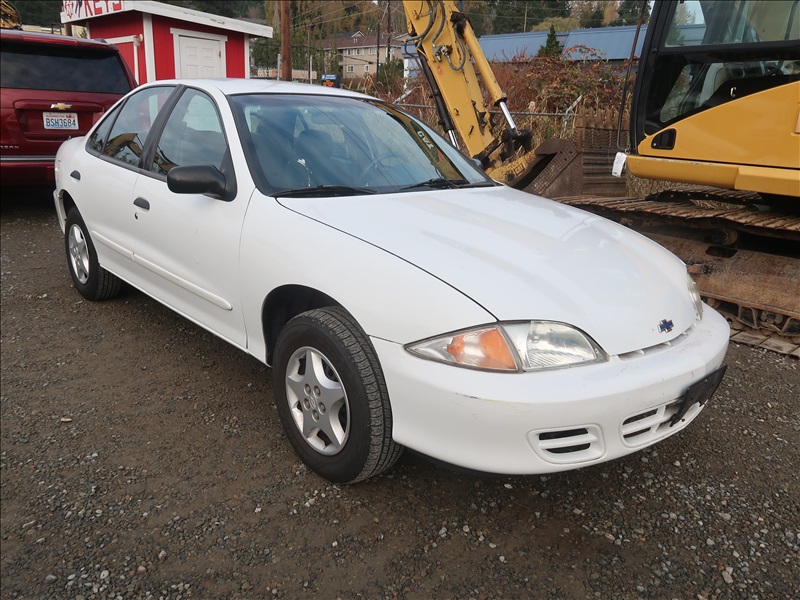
{"x":89,"y":278}
{"x":342,"y":428}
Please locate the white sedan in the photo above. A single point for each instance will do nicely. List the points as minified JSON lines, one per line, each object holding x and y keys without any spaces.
{"x":401,"y":297}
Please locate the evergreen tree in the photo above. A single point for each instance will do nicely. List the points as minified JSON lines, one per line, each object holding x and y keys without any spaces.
{"x":551,"y":46}
{"x":44,"y":13}
{"x":629,"y":10}
{"x":478,"y":13}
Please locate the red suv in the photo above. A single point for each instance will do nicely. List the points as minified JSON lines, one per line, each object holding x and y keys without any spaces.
{"x":52,"y":88}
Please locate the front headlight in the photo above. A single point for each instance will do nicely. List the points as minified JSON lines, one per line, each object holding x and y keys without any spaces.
{"x":694,"y":293}
{"x":518,"y":346}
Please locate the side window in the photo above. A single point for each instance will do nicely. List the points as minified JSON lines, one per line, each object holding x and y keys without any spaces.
{"x":703,"y":23}
{"x":192,"y":135}
{"x":129,"y":132}
{"x":98,"y":138}
{"x":689,"y":76}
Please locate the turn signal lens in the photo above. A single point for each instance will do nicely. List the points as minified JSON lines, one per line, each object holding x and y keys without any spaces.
{"x":485,"y":348}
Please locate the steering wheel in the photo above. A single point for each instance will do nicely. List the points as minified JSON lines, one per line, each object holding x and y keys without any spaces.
{"x":378,"y":162}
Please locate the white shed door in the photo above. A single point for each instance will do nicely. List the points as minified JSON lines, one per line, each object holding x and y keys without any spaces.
{"x":200,"y":57}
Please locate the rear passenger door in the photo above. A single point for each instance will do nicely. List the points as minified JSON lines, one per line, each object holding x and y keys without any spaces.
{"x":188,"y":244}
{"x":112,"y":162}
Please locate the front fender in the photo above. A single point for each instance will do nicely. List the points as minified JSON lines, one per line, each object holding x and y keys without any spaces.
{"x":391,"y":298}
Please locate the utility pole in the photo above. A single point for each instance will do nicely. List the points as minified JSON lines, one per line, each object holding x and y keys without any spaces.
{"x":380,"y":20}
{"x":378,"y":55}
{"x":308,"y":42}
{"x":286,"y":40}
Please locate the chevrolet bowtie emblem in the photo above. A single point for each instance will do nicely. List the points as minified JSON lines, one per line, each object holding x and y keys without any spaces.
{"x":665,"y":326}
{"x":60,"y":106}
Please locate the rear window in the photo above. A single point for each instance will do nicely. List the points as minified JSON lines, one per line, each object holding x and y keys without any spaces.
{"x":39,"y":67}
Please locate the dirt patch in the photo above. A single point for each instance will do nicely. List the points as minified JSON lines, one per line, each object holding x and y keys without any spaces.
{"x":143,"y":458}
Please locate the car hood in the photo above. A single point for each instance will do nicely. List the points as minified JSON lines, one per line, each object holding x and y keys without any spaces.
{"x":523,"y":257}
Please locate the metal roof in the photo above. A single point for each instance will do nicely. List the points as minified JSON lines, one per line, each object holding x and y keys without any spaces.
{"x":611,"y":43}
{"x":505,"y":47}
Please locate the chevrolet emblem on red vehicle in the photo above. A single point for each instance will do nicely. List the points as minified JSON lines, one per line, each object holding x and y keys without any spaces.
{"x":60,"y":106}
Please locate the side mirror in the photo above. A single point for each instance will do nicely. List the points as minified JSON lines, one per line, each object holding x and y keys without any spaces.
{"x":200,"y":179}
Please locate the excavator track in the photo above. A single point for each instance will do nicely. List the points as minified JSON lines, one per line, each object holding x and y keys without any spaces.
{"x":701,"y":208}
{"x":744,"y":258}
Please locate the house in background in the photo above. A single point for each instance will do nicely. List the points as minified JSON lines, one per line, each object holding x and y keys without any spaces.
{"x":358,"y":53}
{"x":161,"y":41}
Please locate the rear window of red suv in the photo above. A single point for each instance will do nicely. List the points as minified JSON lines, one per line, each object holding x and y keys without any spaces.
{"x":60,"y":67}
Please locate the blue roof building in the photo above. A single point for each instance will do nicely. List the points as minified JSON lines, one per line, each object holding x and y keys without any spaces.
{"x":505,"y":47}
{"x":610,"y":43}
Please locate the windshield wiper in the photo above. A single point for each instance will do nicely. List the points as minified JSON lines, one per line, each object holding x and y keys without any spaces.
{"x":324,"y":190}
{"x":436,"y":183}
{"x":442,"y":183}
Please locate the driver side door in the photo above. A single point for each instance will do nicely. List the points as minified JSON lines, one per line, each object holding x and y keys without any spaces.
{"x":189,"y":243}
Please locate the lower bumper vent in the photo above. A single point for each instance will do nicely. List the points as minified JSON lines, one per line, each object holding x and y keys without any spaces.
{"x":650,"y":425}
{"x":568,"y":446}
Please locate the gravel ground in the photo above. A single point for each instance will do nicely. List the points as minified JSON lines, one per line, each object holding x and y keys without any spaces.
{"x":143,"y":458}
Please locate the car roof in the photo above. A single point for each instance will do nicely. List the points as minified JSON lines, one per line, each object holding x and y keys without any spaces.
{"x":233,"y":86}
{"x":35,"y":37}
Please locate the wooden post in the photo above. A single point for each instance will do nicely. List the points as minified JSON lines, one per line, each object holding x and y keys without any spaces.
{"x":286,"y":40}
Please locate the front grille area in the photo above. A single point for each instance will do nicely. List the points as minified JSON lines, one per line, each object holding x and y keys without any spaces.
{"x":652,"y":424}
{"x":584,"y":443}
{"x":568,"y":446}
{"x":658,"y":347}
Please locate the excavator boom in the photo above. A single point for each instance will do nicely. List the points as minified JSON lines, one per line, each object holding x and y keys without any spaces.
{"x":458,"y":72}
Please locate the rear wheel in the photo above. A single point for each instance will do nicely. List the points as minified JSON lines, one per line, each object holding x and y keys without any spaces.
{"x":332,"y":398}
{"x":90,"y":279}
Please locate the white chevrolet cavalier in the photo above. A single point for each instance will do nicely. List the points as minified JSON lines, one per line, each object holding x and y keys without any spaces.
{"x":401,"y":297}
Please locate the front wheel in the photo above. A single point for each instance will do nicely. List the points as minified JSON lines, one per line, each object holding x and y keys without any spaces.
{"x":90,"y":279}
{"x":332,"y":398}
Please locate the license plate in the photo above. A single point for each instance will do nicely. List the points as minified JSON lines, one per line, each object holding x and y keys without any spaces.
{"x":58,"y":120}
{"x":699,"y":393}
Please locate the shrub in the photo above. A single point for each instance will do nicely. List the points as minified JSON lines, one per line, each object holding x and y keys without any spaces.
{"x":547,"y":86}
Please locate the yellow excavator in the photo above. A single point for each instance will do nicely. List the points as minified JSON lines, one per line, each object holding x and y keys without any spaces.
{"x":715,"y":117}
{"x":456,"y":70}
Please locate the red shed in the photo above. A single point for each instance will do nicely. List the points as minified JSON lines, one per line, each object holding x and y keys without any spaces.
{"x":161,"y":41}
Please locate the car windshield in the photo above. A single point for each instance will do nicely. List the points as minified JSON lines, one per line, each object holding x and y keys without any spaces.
{"x":302,"y":145}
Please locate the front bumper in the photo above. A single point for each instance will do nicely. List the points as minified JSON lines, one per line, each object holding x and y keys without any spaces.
{"x":527,"y":423}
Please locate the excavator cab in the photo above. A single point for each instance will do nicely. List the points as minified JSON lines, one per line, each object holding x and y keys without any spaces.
{"x":731,"y":67}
